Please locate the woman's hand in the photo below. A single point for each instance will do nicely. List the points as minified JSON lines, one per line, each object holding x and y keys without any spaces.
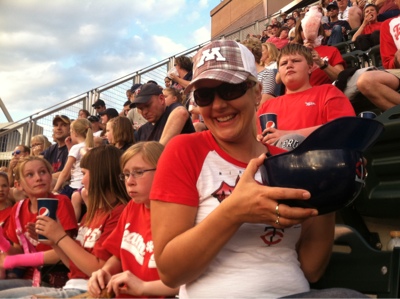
{"x":254,"y":203}
{"x":49,"y":228}
{"x":126,"y":283}
{"x":97,"y":282}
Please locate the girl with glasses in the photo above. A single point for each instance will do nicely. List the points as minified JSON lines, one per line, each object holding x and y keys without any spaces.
{"x":132,"y":271}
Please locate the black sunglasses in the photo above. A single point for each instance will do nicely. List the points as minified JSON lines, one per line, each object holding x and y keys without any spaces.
{"x":17,"y":152}
{"x":226,"y":91}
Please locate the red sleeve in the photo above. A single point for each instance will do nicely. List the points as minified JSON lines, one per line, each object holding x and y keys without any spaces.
{"x":181,"y":159}
{"x":387,"y":46}
{"x":99,"y":250}
{"x":113,"y":243}
{"x":336,"y":57}
{"x":65,"y":213}
{"x":337,"y":104}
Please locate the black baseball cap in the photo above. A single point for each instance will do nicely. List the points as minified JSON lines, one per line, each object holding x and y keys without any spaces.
{"x":110,"y":112}
{"x":93,"y":118}
{"x":332,"y":5}
{"x":146,"y":92}
{"x":99,"y":103}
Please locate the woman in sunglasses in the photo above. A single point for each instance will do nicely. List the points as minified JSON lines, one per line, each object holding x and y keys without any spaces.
{"x":217,"y":231}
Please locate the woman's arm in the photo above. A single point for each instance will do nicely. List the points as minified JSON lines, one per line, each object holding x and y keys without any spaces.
{"x":183,"y":251}
{"x":332,"y":71}
{"x":175,"y":123}
{"x":65,"y":173}
{"x":180,"y":81}
{"x":315,"y":245}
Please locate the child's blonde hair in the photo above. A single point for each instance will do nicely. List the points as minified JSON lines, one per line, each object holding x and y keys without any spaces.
{"x":83,"y":128}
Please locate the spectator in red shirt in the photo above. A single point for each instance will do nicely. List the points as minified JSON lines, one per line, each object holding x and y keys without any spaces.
{"x":380,"y":87}
{"x":368,"y":33}
{"x":282,"y":39}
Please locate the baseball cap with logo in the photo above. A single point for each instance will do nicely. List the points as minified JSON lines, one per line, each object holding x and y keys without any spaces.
{"x":328,"y":163}
{"x":146,"y":92}
{"x":223,"y":60}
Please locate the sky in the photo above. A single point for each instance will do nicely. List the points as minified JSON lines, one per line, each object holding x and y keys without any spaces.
{"x":53,"y":50}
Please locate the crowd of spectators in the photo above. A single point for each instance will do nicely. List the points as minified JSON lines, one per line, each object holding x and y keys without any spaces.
{"x":213,"y":108}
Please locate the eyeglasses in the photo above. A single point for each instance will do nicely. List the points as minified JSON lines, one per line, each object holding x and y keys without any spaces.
{"x":17,"y":152}
{"x":226,"y":91}
{"x":136,"y":174}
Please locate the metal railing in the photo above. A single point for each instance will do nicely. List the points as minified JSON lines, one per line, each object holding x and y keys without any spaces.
{"x":113,"y":93}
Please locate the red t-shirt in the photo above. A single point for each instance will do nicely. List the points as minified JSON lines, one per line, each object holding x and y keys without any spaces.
{"x":312,"y":107}
{"x":92,"y":236}
{"x":65,"y":215}
{"x":5,"y":217}
{"x":334,"y":57}
{"x":368,"y":29}
{"x":132,"y":243}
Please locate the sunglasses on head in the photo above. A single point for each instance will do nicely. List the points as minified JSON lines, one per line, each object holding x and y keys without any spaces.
{"x":17,"y":152}
{"x":226,"y":91}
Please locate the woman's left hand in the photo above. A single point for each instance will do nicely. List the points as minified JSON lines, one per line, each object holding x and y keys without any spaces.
{"x":49,"y":228}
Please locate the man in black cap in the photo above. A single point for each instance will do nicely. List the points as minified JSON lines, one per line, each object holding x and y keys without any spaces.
{"x":336,"y":29}
{"x":163,"y":122}
{"x":99,"y":106}
{"x":96,"y":125}
{"x":108,"y":114}
{"x":134,"y":116}
{"x":57,"y":154}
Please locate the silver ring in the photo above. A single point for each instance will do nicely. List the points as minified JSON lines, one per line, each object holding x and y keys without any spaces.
{"x":277,"y":221}
{"x":277,"y":210}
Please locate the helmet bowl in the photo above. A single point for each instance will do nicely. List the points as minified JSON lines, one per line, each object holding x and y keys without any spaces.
{"x":334,"y":177}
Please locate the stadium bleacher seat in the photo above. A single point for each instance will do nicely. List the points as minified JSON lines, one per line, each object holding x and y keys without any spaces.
{"x":374,"y":55}
{"x":363,"y":268}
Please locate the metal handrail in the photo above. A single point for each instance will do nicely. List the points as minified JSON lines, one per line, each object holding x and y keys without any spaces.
{"x":113,"y":93}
